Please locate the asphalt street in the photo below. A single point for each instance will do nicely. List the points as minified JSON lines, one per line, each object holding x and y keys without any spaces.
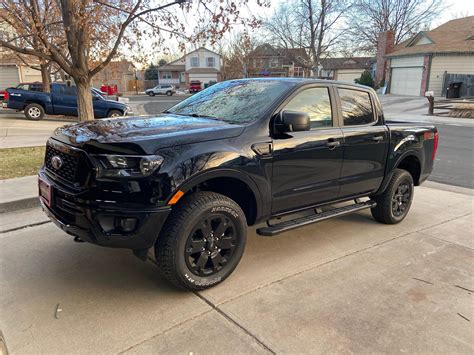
{"x":454,"y":162}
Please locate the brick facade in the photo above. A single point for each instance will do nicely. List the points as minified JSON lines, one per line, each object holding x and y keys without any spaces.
{"x":426,"y":75}
{"x":385,"y":44}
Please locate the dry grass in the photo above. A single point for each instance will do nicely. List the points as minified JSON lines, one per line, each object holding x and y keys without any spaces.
{"x":16,"y":162}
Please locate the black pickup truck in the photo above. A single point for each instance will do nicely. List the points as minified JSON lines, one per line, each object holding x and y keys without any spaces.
{"x":189,"y":181}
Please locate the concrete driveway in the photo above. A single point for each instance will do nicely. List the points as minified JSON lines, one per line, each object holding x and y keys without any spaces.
{"x":341,"y":286}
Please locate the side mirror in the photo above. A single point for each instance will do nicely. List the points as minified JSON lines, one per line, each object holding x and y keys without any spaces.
{"x":292,"y":121}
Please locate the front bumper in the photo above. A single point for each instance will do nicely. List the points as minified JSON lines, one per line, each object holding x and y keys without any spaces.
{"x":97,"y":224}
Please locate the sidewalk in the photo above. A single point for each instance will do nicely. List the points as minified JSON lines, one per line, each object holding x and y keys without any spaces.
{"x":346,"y":285}
{"x":19,"y":193}
{"x":16,"y":131}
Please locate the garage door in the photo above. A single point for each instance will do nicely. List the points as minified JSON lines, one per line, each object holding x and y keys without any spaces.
{"x":406,"y":81}
{"x":349,"y":76}
{"x":8,"y":76}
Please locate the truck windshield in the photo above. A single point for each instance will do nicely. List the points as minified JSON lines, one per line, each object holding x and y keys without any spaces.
{"x":235,"y":101}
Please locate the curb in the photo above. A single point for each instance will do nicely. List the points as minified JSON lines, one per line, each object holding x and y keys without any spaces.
{"x":12,"y":206}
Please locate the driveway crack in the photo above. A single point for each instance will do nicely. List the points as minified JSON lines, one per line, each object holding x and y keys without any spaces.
{"x":237,"y":324}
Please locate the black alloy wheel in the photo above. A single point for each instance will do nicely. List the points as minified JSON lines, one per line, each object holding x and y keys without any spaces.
{"x":401,"y":198}
{"x":394,"y":203}
{"x":211,"y":245}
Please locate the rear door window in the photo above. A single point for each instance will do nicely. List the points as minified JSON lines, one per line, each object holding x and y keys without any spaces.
{"x":356,"y":107}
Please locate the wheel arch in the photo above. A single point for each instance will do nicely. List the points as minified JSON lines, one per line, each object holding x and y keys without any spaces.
{"x":411,"y":163}
{"x":28,"y":102}
{"x":231,"y":183}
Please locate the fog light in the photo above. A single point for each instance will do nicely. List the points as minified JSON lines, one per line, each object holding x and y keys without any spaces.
{"x":125,"y":224}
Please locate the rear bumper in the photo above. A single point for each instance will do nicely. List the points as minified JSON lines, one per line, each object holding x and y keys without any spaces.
{"x":98,"y":225}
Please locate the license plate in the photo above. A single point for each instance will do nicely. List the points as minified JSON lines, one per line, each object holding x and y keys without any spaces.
{"x":4,"y":105}
{"x":45,"y":192}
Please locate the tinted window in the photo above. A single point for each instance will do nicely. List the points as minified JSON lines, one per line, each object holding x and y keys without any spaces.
{"x":315,"y":102}
{"x":68,"y":90}
{"x":356,"y":107}
{"x":235,"y":101}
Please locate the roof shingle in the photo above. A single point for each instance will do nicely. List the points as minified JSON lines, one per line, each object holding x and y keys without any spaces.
{"x":455,"y":36}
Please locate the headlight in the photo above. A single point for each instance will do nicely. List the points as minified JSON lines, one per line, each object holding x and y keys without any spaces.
{"x":127,"y":165}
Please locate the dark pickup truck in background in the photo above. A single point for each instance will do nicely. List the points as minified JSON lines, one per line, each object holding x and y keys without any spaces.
{"x":61,"y":101}
{"x":189,"y":181}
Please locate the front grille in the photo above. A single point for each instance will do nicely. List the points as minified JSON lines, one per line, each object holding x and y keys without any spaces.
{"x":68,"y":168}
{"x":74,"y":169}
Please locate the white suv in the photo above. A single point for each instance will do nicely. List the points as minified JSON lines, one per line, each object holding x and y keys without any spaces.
{"x":167,"y":90}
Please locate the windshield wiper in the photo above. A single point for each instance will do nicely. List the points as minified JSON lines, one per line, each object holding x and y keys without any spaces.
{"x":193,"y":115}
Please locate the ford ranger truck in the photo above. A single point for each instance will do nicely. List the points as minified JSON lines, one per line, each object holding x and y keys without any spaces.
{"x":188,"y":182}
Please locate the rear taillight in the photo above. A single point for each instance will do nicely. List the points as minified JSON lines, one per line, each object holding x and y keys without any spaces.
{"x":5,"y":94}
{"x":435,"y":145}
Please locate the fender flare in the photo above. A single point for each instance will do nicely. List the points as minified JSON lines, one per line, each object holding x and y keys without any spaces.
{"x":398,"y":160}
{"x":224,"y":173}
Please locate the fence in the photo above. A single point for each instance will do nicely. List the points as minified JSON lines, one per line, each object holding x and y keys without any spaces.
{"x":467,"y":80}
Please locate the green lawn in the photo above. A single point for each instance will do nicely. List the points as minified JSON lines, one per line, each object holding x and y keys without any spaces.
{"x":16,"y":162}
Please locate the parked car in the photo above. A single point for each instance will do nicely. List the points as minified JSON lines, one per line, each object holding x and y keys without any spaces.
{"x":189,"y":181}
{"x":167,"y":90}
{"x":195,"y":86}
{"x":61,"y":101}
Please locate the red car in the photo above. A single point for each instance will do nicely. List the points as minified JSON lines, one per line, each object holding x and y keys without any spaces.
{"x":194,"y":86}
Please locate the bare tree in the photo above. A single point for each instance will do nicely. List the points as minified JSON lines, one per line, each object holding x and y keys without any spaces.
{"x":403,"y":17}
{"x":93,"y":31}
{"x":235,"y":54}
{"x":314,"y":25}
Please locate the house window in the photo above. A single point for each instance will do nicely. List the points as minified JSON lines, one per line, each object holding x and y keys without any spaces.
{"x":211,"y":62}
{"x":166,"y":75}
{"x":195,"y":62}
{"x":274,"y":62}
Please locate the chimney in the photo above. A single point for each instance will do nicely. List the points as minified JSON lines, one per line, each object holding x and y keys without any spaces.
{"x":385,"y":44}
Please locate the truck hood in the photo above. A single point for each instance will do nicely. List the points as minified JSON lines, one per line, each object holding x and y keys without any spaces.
{"x":150,"y":133}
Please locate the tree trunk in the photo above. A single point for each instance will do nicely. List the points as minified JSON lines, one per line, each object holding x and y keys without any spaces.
{"x":46,"y":77}
{"x":84,"y":98}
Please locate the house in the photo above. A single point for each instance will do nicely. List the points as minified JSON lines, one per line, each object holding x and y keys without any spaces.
{"x":118,"y":72}
{"x":201,"y":64}
{"x":345,"y":69}
{"x":14,"y":70}
{"x":430,"y":60}
{"x":267,"y":60}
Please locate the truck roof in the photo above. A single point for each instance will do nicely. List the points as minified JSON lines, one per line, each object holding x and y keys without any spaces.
{"x":306,"y":80}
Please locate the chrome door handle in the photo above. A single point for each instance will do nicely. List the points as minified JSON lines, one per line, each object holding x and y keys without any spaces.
{"x":333,"y":144}
{"x":377,"y":138}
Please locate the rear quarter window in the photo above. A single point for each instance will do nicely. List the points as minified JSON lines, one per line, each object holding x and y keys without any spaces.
{"x":356,"y":107}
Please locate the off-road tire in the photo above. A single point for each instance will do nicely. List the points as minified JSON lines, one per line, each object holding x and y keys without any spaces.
{"x":151,"y":93}
{"x":170,"y":247}
{"x":115,"y":113}
{"x":34,"y":112}
{"x":384,"y":211}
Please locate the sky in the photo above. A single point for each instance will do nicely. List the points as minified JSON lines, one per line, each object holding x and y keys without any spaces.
{"x":454,"y":8}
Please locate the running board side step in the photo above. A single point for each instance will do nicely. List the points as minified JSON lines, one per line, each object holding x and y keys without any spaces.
{"x":275,"y":229}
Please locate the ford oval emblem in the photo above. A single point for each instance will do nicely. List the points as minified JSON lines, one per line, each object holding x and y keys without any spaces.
{"x":56,"y":162}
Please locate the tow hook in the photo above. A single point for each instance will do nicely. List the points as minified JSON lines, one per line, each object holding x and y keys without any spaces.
{"x":78,"y":240}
